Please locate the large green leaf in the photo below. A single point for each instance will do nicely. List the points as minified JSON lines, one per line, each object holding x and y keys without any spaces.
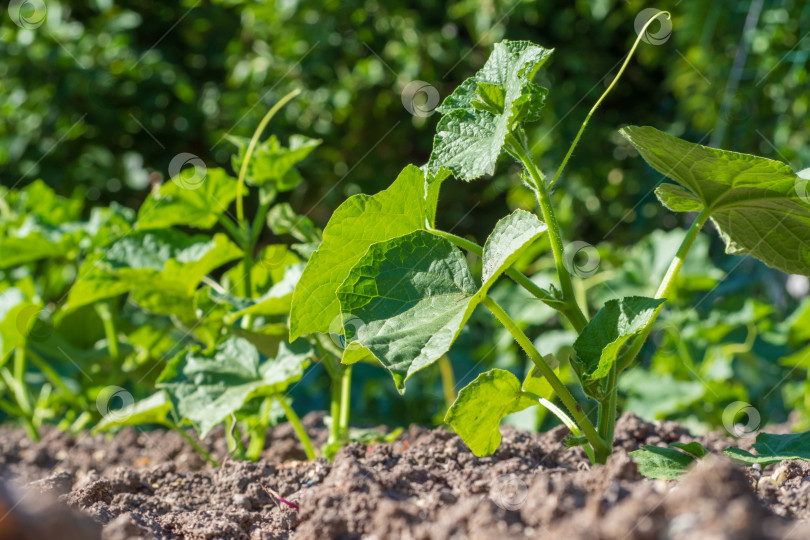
{"x":168,"y":260}
{"x":160,"y":261}
{"x":179,"y":203}
{"x":484,"y":108}
{"x":600,"y":341}
{"x":773,"y":448}
{"x":753,"y":201}
{"x":357,"y":223}
{"x":207,"y":388}
{"x":410,"y":295}
{"x":480,"y":407}
{"x":510,"y":237}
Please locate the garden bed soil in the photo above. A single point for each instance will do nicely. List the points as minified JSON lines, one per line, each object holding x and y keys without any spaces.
{"x":425,"y":485}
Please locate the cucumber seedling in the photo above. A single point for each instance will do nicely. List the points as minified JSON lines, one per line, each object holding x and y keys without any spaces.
{"x":401,"y":289}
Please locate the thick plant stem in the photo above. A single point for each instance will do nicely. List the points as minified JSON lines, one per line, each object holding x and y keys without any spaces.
{"x":345,"y":401}
{"x":194,"y":444}
{"x":606,"y":423}
{"x":641,"y":34}
{"x":521,"y":279}
{"x":664,"y":288}
{"x":585,"y":425}
{"x":298,"y":427}
{"x":555,"y":237}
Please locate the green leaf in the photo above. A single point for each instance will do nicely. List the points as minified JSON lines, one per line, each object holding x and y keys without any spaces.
{"x":168,"y":260}
{"x":17,"y":315}
{"x":359,"y":222}
{"x":694,"y":448}
{"x":276,"y":301}
{"x":282,"y":219}
{"x":480,"y":407}
{"x":410,"y":295}
{"x":511,"y":236}
{"x":207,"y":388}
{"x":489,"y":97}
{"x":33,"y":246}
{"x":93,"y":282}
{"x":660,"y":462}
{"x":600,"y":341}
{"x":408,"y":319}
{"x":160,"y":261}
{"x":153,"y":410}
{"x":433,"y":184}
{"x":774,"y":448}
{"x":753,"y":201}
{"x":197,"y":204}
{"x":484,"y":108}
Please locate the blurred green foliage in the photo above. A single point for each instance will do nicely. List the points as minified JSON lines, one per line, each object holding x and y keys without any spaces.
{"x":103,"y":94}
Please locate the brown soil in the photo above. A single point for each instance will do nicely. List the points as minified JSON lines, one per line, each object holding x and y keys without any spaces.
{"x":426,"y":485}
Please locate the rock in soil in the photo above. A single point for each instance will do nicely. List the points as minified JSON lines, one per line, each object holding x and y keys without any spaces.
{"x":424,"y":486}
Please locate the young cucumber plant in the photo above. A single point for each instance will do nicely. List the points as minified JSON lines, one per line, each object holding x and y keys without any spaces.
{"x":399,"y":289}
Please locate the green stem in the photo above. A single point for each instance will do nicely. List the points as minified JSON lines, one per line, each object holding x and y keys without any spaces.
{"x":298,"y":427}
{"x":249,"y":240}
{"x":345,"y":400}
{"x":448,"y":380}
{"x":240,"y":185}
{"x":606,"y":423}
{"x":20,"y":390}
{"x":107,"y":319}
{"x":664,"y":288}
{"x":555,"y":237}
{"x":194,"y":444}
{"x":232,"y":229}
{"x":334,"y":410}
{"x":602,"y":97}
{"x":519,"y":278}
{"x":560,"y":389}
